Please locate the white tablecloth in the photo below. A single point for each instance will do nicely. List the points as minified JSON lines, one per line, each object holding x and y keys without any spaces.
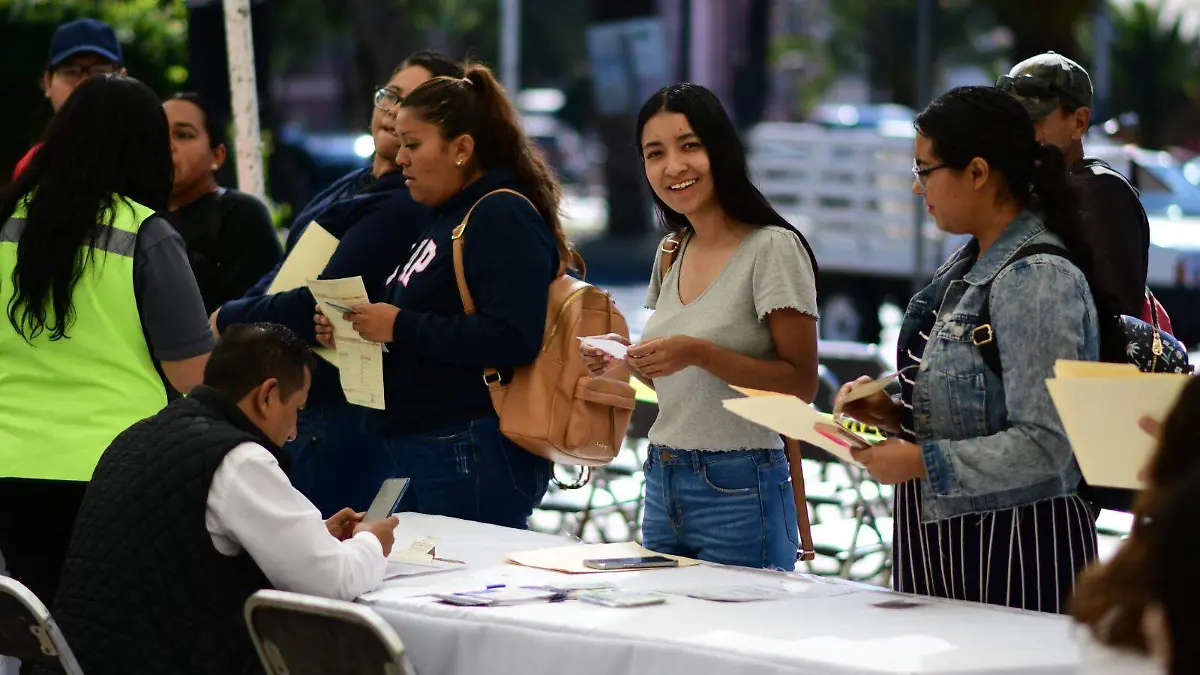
{"x":819,"y":635}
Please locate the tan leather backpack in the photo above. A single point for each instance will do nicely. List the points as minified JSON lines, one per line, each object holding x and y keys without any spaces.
{"x":552,"y":407}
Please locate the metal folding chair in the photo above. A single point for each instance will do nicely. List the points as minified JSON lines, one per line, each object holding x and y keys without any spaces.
{"x":27,"y":631}
{"x":304,"y":635}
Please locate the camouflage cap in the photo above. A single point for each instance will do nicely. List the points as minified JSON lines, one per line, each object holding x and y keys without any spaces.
{"x":1046,"y":82}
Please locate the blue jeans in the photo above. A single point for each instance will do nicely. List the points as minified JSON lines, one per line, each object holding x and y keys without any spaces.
{"x":338,"y":459}
{"x":470,"y":471}
{"x":733,"y":508}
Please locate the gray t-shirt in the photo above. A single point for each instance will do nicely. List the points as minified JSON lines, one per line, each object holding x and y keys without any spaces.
{"x":168,"y":298}
{"x":770,"y":270}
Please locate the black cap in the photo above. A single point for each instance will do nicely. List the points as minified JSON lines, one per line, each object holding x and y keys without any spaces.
{"x":84,"y":36}
{"x":1046,"y":82}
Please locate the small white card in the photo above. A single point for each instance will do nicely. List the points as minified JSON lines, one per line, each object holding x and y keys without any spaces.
{"x":611,"y":347}
{"x":749,"y":593}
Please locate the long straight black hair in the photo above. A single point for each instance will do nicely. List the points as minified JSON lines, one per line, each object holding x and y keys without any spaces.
{"x":736,"y":193}
{"x":109,"y":141}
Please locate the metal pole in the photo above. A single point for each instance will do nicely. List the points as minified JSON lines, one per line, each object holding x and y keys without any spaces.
{"x":924,"y":87}
{"x":1102,"y":65}
{"x":243,"y":89}
{"x":510,"y":45}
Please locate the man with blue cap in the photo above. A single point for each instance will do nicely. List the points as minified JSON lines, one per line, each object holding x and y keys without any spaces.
{"x":79,"y":49}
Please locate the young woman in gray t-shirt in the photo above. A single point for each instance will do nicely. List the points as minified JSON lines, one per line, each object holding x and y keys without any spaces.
{"x":737,"y":307}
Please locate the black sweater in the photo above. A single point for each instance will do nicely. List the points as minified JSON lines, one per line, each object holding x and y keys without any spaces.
{"x":433,"y":369}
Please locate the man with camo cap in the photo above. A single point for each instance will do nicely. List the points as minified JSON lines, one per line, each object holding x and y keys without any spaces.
{"x":1057,"y":92}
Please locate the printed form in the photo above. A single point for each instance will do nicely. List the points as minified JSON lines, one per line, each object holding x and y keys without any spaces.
{"x":359,"y":362}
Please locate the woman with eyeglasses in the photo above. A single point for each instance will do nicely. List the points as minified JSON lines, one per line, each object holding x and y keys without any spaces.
{"x":987,"y":508}
{"x":464,"y":153}
{"x":337,"y":457}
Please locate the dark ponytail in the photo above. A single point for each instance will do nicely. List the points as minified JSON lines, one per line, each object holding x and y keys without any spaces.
{"x":984,"y":122}
{"x":477,"y":105}
{"x":1053,"y":194}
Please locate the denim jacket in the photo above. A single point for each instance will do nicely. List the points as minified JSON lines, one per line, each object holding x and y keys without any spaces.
{"x":992,"y":443}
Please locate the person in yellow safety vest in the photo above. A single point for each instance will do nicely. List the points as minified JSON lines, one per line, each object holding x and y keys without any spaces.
{"x":95,"y":295}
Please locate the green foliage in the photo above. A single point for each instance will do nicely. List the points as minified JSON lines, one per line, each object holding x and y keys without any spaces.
{"x":878,"y":37}
{"x":1156,"y":69}
{"x":153,"y":35}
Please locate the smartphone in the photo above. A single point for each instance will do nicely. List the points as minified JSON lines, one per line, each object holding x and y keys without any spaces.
{"x":640,"y":562}
{"x":387,"y":499}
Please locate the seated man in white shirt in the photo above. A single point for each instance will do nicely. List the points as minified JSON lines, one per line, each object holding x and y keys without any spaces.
{"x":190,"y":512}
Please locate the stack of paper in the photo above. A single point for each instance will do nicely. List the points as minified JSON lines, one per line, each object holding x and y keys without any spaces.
{"x":359,"y":361}
{"x":420,"y":557}
{"x":1100,"y":405}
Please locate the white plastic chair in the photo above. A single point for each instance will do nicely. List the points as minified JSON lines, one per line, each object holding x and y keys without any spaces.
{"x":305,"y":635}
{"x":27,"y":631}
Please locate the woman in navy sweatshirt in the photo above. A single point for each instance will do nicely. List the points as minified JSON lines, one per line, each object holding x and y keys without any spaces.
{"x":337,"y":457}
{"x":461,"y":140}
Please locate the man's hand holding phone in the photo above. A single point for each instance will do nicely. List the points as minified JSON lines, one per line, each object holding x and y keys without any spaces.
{"x":384,"y":530}
{"x":344,"y":523}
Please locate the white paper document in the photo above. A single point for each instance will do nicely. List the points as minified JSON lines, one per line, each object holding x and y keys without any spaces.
{"x":396,"y":569}
{"x":359,"y":362}
{"x":611,"y":347}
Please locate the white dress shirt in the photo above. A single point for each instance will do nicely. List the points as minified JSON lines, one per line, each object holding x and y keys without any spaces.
{"x":252,"y":506}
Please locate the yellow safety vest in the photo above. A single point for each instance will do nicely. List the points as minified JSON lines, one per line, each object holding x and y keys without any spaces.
{"x":63,"y":401}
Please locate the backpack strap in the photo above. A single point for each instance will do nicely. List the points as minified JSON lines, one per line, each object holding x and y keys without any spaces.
{"x":984,"y":336}
{"x":491,"y":376}
{"x":670,"y":248}
{"x":802,"y":522}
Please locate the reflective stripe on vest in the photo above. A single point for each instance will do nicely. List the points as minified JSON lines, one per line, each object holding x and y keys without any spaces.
{"x":63,"y":401}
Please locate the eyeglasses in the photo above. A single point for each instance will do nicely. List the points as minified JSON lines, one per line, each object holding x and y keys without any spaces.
{"x":920,"y":174}
{"x":386,"y":99}
{"x":75,"y":72}
{"x":1031,"y":86}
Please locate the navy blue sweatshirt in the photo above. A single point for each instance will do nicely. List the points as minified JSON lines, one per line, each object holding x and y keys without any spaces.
{"x":376,"y":223}
{"x":433,"y":371}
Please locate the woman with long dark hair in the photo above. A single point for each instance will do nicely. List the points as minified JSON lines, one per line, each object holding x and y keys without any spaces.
{"x":96,"y":294}
{"x":338,"y":458}
{"x":987,"y":508}
{"x":463,"y":151}
{"x":737,"y":306}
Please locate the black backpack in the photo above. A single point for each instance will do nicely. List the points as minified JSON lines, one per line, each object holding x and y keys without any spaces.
{"x":1123,"y":339}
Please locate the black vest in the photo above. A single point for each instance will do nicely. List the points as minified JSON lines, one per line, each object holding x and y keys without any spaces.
{"x":143,"y":589}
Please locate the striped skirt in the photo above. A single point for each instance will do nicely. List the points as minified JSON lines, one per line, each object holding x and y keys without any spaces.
{"x":1025,"y":557}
